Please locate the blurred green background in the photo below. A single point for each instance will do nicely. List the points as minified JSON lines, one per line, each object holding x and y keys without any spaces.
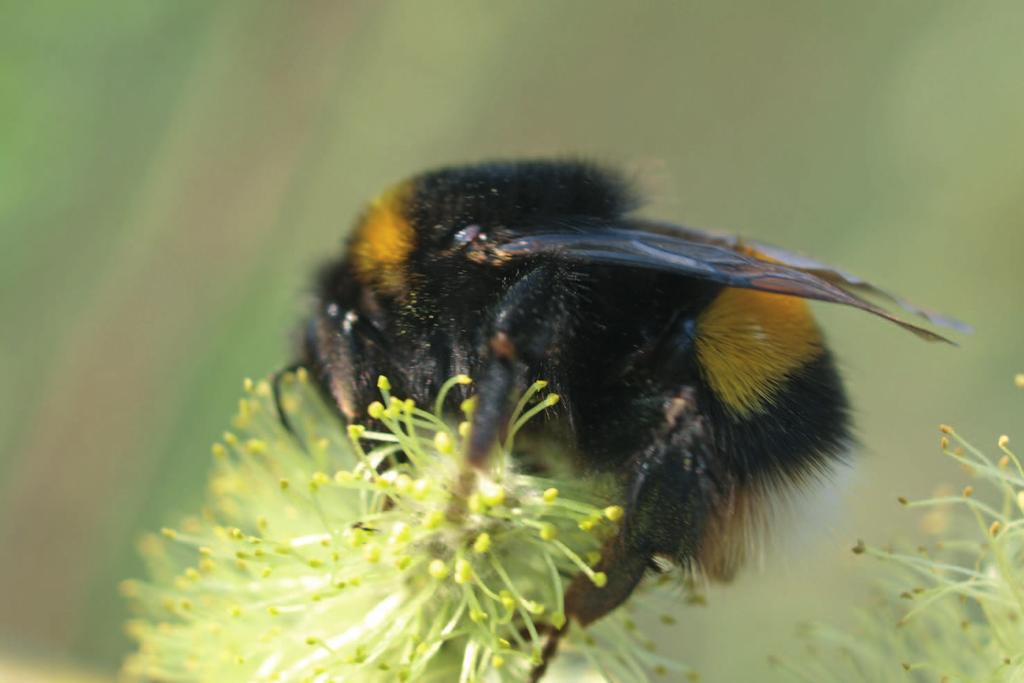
{"x":170,"y":172}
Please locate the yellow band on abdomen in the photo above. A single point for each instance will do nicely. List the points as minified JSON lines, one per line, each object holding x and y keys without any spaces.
{"x":749,"y":343}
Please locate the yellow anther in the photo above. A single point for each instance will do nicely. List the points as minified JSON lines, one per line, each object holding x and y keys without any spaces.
{"x":482,"y":543}
{"x":433,"y":519}
{"x":468,"y":405}
{"x":256,"y":446}
{"x":550,"y":495}
{"x":383,"y":384}
{"x":372,"y":554}
{"x":302,"y":374}
{"x":438,"y":569}
{"x":229,"y":438}
{"x":247,"y":384}
{"x":600,"y":579}
{"x":403,"y":562}
{"x":400,"y":532}
{"x":263,"y":388}
{"x":443,"y":443}
{"x":492,"y":493}
{"x":497,"y":661}
{"x":375,"y":410}
{"x":463,"y":379}
{"x":1004,"y":441}
{"x":463,"y":571}
{"x":548,"y":531}
{"x":614,"y":512}
{"x":403,"y":484}
{"x":218,"y":450}
{"x":420,"y":488}
{"x":945,"y":429}
{"x":169,"y":533}
{"x":476,"y":615}
{"x":463,"y":429}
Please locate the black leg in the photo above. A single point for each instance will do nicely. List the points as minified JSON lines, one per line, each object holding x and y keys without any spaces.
{"x":671,"y":488}
{"x":346,"y":352}
{"x":530,"y":326}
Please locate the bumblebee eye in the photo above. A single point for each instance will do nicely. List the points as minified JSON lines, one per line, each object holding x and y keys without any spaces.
{"x":469,"y":234}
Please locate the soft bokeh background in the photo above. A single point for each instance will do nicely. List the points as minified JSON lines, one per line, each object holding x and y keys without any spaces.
{"x":171,"y":171}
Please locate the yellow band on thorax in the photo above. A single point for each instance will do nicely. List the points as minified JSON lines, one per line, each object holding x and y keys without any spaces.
{"x":383,"y":241}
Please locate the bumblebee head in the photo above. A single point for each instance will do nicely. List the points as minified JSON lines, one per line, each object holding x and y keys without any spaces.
{"x":453,"y":223}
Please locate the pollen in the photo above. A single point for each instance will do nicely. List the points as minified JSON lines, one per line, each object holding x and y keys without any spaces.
{"x":438,"y":569}
{"x":482,"y":543}
{"x":614,"y":512}
{"x":443,"y":442}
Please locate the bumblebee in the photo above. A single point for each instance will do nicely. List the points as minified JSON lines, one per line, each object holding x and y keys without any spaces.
{"x":689,"y":363}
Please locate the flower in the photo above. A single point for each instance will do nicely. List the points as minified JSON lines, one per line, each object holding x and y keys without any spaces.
{"x":952,"y":610}
{"x":331,"y":553}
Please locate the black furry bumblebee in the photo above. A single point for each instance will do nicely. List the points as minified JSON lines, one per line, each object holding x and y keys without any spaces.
{"x":688,"y":362}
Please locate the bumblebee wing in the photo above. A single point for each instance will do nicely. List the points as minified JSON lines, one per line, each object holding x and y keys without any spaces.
{"x":717,"y":259}
{"x":840,"y":278}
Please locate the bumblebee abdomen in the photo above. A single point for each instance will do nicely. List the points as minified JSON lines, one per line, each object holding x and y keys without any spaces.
{"x":749,"y":344}
{"x":772,"y":389}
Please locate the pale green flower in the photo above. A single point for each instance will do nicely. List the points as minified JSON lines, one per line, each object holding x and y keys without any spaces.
{"x":317,"y":560}
{"x":953,"y":610}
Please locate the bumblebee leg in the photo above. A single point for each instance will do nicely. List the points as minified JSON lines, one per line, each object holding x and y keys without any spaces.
{"x":345,"y":352}
{"x":528,"y":326}
{"x":670,"y":490}
{"x":282,"y":414}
